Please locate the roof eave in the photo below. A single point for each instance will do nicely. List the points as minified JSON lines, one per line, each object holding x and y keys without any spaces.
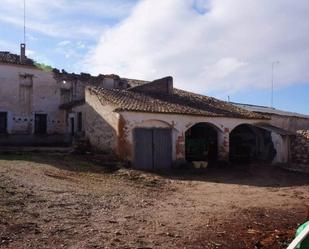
{"x":119,"y":110}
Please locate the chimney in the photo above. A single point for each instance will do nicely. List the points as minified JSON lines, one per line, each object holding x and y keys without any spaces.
{"x":22,"y":53}
{"x":160,"y":86}
{"x":170,"y":84}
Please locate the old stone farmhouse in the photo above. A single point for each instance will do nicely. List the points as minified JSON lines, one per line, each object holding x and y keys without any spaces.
{"x":154,"y":124}
{"x":149,"y":124}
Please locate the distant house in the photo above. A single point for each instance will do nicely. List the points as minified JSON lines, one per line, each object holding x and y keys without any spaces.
{"x":290,"y":121}
{"x":150,"y":124}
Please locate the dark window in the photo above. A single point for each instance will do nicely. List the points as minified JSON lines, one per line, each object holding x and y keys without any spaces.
{"x":72,"y":122}
{"x":26,"y":93}
{"x":79,"y":121}
{"x":3,"y":122}
{"x":40,"y":124}
{"x":66,"y":96}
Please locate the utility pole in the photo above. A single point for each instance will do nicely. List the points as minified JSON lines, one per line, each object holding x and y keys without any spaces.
{"x":272,"y":82}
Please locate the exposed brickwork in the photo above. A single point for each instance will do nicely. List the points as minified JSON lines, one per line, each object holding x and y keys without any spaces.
{"x":180,"y":146}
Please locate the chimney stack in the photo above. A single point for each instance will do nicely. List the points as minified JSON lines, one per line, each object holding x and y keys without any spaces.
{"x":22,"y":53}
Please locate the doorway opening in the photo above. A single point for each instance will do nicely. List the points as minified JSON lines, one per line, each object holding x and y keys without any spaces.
{"x":249,"y":143}
{"x":201,"y":143}
{"x":153,"y":148}
{"x":3,"y":122}
{"x":72,"y":126}
{"x":40,"y":124}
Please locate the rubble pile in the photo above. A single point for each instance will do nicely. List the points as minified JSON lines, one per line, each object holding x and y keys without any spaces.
{"x":300,"y":147}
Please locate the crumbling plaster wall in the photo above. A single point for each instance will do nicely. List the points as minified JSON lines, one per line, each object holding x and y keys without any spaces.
{"x":77,"y":83}
{"x":100,"y":123}
{"x":45,"y":99}
{"x":179,"y":125}
{"x":113,"y":132}
{"x":282,"y":147}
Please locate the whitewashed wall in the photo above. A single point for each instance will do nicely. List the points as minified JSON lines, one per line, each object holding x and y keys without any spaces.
{"x":111,"y":131}
{"x":180,"y":124}
{"x":45,"y":100}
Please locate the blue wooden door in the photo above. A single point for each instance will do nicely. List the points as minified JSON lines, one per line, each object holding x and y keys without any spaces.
{"x":162,"y":148}
{"x":143,"y":149}
{"x":152,"y":148}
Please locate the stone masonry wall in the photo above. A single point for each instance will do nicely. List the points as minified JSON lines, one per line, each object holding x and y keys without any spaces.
{"x":300,"y":148}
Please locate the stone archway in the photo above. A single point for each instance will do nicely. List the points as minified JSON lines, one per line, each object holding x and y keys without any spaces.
{"x":249,"y":143}
{"x":201,"y":143}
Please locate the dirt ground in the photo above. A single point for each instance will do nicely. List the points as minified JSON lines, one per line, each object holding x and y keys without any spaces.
{"x":70,"y":201}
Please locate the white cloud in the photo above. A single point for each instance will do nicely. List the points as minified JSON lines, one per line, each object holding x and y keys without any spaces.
{"x":64,"y":43}
{"x":7,"y":46}
{"x":30,"y":53}
{"x":62,"y":18}
{"x":229,"y":47}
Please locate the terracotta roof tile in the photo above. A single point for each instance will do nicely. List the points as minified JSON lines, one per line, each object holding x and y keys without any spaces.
{"x":179,"y":102}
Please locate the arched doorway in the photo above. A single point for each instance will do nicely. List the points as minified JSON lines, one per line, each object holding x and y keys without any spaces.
{"x":201,"y":143}
{"x":249,"y":143}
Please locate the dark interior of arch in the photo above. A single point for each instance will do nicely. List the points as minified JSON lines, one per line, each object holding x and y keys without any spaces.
{"x":249,"y":144}
{"x":201,"y":143}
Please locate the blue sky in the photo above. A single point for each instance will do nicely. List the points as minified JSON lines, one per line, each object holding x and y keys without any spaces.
{"x":215,"y":47}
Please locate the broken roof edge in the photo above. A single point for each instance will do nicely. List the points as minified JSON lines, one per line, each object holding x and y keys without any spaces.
{"x":12,"y":59}
{"x":136,"y":82}
{"x":103,"y":100}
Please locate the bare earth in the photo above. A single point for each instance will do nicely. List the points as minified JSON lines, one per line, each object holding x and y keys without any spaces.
{"x":66,"y":201}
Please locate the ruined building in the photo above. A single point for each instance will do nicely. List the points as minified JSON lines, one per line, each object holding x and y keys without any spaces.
{"x":149,"y":124}
{"x":33,"y":97}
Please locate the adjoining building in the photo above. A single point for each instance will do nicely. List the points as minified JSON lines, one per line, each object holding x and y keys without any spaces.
{"x":290,"y":121}
{"x":155,"y":125}
{"x":30,"y":97}
{"x":150,"y":124}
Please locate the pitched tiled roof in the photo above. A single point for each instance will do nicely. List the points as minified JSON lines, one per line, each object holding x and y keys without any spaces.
{"x":7,"y":57}
{"x":179,"y":102}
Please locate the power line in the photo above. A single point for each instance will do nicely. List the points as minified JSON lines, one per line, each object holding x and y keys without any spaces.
{"x":24,"y":21}
{"x":272,"y":83}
